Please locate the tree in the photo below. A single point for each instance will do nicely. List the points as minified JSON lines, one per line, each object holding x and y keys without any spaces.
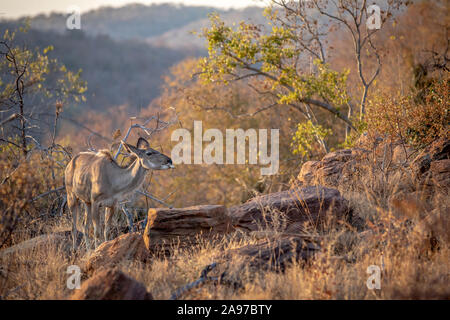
{"x":195,"y":100}
{"x":289,"y":61}
{"x":30,"y":83}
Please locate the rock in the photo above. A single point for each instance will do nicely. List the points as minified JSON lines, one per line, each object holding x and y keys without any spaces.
{"x":332,"y":164}
{"x":345,"y":169}
{"x":310,"y":204}
{"x":368,"y":141}
{"x":308,"y":173}
{"x":184,"y":225}
{"x":340,"y":169}
{"x":430,"y":168}
{"x":273,"y":254}
{"x":295,"y":228}
{"x":59,"y":240}
{"x":328,"y":171}
{"x":438,"y":150}
{"x":440,"y":173}
{"x":128,"y":246}
{"x":401,"y":154}
{"x":111,"y":284}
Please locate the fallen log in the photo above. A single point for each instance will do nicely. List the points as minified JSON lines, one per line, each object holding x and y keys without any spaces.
{"x":312,"y":205}
{"x":184,"y":226}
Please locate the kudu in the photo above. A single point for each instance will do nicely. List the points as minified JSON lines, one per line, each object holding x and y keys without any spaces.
{"x":96,"y":179}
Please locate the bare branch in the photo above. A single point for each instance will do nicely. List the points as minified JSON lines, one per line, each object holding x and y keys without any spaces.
{"x":47,"y":193}
{"x":153,"y":198}
{"x":148,"y":131}
{"x":9,"y":119}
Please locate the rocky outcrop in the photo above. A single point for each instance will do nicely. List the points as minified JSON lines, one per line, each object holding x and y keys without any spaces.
{"x":432,"y":166}
{"x":111,"y":284}
{"x":401,"y":154}
{"x":438,"y":150}
{"x":128,"y":246}
{"x":308,"y":173}
{"x":306,"y":205}
{"x":347,"y":169}
{"x":440,"y":173}
{"x":184,"y":226}
{"x":327,"y":172}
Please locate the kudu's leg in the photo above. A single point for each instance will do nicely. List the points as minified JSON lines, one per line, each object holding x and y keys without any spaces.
{"x":73,"y":205}
{"x":109,"y":212}
{"x":87,"y":224}
{"x":97,"y":225}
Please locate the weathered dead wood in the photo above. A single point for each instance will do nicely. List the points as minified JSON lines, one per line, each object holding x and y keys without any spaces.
{"x":184,"y":226}
{"x":311,"y":204}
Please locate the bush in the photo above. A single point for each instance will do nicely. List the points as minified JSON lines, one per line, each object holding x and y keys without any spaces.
{"x":21,"y":181}
{"x":416,"y":122}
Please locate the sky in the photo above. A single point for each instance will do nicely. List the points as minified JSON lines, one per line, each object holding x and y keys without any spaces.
{"x":19,"y":8}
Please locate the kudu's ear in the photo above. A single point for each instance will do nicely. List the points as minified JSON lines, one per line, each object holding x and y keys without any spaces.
{"x":142,"y":144}
{"x":130,"y":149}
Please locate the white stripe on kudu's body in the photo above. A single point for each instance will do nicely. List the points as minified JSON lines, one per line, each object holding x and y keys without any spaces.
{"x":96,"y":179}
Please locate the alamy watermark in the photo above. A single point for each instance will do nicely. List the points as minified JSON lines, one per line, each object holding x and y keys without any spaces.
{"x":74,"y":280}
{"x":73,"y":21}
{"x":374,"y":271}
{"x":374,"y":280}
{"x":373,"y":17}
{"x":257,"y":142}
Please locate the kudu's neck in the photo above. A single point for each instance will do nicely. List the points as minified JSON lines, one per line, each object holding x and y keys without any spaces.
{"x":131,"y":177}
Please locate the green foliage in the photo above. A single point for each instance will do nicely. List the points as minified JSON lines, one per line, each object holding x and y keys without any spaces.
{"x":34,"y":68}
{"x":273,"y":56}
{"x":32,"y":86}
{"x":306,"y":136}
{"x":361,"y":127}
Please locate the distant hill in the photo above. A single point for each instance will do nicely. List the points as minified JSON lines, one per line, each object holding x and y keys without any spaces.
{"x":117,"y":72}
{"x":182,"y":37}
{"x":152,"y":23}
{"x":131,"y":21}
{"x":125,"y":51}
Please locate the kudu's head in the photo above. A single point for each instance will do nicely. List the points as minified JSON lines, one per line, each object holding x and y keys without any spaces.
{"x":149,"y":158}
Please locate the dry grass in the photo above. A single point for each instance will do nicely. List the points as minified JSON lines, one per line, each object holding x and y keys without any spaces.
{"x":407,"y":237}
{"x":412,"y":250}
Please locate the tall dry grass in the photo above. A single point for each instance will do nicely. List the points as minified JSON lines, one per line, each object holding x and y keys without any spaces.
{"x":411,"y":247}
